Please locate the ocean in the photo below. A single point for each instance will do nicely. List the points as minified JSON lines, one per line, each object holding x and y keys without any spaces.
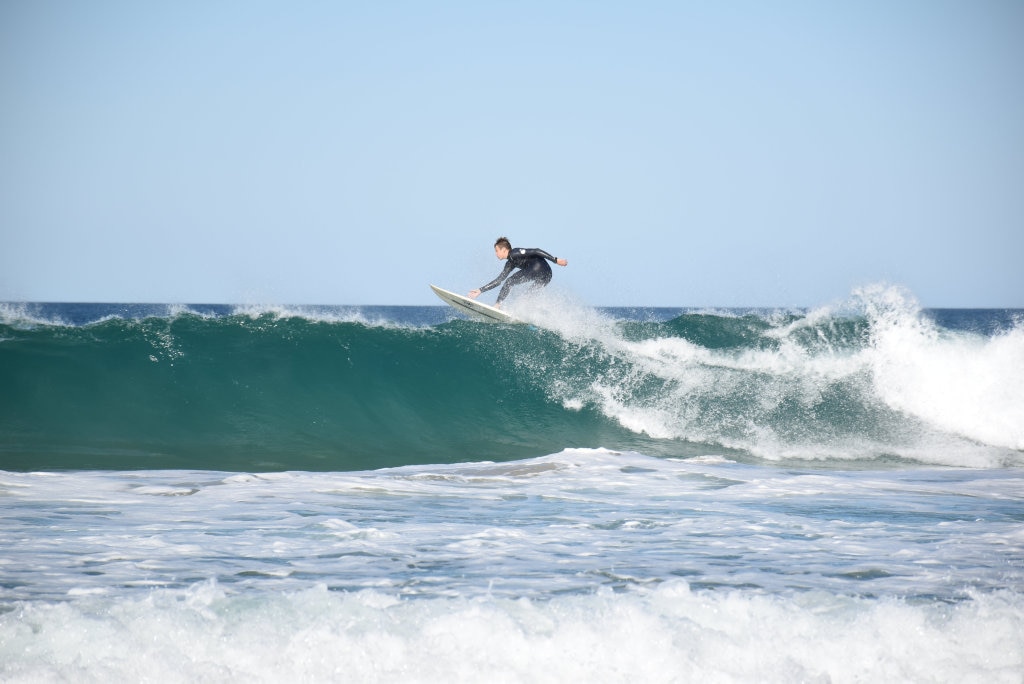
{"x":397,"y":494}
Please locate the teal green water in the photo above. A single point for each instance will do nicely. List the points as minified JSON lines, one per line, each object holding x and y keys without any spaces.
{"x":272,"y":392}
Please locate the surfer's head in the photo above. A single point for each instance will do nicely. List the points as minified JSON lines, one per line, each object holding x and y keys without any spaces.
{"x":502,"y":247}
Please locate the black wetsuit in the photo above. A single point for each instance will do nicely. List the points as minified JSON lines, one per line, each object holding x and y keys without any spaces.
{"x":533,"y":268}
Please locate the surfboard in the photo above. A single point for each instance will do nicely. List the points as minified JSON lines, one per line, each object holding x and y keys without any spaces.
{"x":471,"y":307}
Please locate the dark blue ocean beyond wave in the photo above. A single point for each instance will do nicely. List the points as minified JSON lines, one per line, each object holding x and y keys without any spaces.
{"x":983,"y":321}
{"x":354,"y":388}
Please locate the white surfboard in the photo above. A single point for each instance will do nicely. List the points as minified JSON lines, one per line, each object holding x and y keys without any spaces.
{"x":470,"y":307}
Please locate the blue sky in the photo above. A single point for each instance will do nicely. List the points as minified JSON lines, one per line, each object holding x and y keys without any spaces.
{"x":677,"y":154}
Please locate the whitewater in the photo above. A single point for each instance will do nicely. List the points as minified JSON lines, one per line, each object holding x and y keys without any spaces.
{"x":224,"y":493}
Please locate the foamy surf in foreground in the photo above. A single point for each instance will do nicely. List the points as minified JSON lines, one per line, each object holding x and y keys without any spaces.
{"x":583,"y":565}
{"x":663,"y":634}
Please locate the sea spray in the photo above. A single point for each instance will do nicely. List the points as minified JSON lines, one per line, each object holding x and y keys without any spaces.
{"x":961,"y":383}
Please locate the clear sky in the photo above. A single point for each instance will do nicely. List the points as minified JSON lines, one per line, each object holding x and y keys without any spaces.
{"x":676,"y":153}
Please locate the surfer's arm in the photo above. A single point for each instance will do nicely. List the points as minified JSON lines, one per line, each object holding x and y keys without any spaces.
{"x":545,"y":255}
{"x":497,"y":281}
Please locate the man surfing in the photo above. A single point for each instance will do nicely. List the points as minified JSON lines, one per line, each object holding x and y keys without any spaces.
{"x":532,"y":264}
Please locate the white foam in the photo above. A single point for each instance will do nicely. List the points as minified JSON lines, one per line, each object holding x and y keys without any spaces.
{"x":664,"y":633}
{"x":556,"y":568}
{"x":961,"y":383}
{"x":952,"y":398}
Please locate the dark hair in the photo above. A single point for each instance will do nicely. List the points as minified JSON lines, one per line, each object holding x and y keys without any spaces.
{"x":503,"y":242}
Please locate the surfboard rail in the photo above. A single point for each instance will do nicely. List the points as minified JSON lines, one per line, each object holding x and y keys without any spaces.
{"x":473,"y":308}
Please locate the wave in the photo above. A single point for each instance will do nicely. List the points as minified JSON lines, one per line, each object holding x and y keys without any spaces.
{"x":667,"y":633}
{"x":875,"y":378}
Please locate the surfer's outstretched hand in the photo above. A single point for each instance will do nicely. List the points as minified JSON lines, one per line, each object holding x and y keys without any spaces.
{"x":561,"y":262}
{"x":473,"y":294}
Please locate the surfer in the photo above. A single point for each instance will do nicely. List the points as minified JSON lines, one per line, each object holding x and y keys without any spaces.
{"x":532,"y":264}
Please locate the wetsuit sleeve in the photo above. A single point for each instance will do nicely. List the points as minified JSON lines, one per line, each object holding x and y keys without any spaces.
{"x":539,"y":253}
{"x":501,"y":276}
